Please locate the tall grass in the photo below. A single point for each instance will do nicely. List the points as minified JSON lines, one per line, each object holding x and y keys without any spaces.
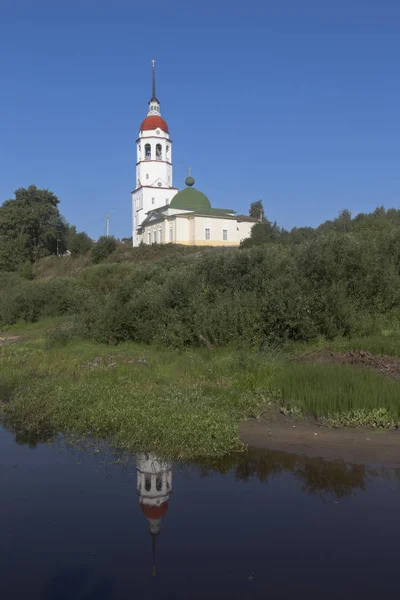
{"x":375,"y":344}
{"x":345,"y":394}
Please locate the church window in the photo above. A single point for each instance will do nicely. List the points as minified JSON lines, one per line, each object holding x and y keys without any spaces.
{"x":147,"y":151}
{"x":158,"y":483}
{"x":149,"y":237}
{"x":153,"y":200}
{"x":207,"y":233}
{"x":147,"y":483}
{"x":170,"y":233}
{"x":155,"y":236}
{"x":159,"y":184}
{"x":158,"y":152}
{"x":147,"y":175}
{"x":160,"y":237}
{"x":225,"y":235}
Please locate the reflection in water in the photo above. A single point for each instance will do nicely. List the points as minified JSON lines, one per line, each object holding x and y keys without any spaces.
{"x":317,"y":476}
{"x":154,"y":486}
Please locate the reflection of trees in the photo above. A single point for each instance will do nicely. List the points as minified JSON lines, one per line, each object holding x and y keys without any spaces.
{"x":316,"y":475}
{"x":31,"y":438}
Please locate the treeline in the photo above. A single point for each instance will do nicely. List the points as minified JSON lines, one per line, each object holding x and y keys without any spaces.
{"x":342,"y":278}
{"x":340,"y":283}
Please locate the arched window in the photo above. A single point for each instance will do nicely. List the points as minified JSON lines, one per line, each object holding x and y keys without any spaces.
{"x":147,"y":151}
{"x":158,"y":152}
{"x":147,"y":483}
{"x":158,"y":483}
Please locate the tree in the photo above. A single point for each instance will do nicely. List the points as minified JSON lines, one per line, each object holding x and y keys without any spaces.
{"x":263,"y":233}
{"x":78,"y":243}
{"x":29,"y":227}
{"x":103,"y":248}
{"x":257,"y":211}
{"x":343,"y":221}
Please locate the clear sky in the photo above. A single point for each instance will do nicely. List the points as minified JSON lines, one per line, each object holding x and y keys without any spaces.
{"x":294,"y":102}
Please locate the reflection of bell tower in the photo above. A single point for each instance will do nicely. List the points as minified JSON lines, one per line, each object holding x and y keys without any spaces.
{"x":154,"y":485}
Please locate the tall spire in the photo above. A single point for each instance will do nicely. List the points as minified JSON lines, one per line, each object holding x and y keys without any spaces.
{"x":154,"y":553}
{"x":153,"y":96}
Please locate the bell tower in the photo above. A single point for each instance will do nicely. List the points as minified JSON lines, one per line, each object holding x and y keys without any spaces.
{"x":154,"y":187}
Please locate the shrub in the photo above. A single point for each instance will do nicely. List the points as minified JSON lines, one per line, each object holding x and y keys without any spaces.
{"x":103,"y":248}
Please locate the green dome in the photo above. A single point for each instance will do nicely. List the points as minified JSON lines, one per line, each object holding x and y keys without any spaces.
{"x":190,"y":198}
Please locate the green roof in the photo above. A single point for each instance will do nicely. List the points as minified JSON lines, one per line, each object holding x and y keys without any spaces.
{"x":190,"y":199}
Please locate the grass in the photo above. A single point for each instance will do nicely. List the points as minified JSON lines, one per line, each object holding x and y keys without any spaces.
{"x":375,"y":344}
{"x":340,"y":394}
{"x":140,"y":398}
{"x":179,"y":405}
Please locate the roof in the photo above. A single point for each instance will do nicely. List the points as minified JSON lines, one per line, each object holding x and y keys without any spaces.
{"x":152,"y":122}
{"x":154,"y":512}
{"x":191,"y":199}
{"x":247,"y":218}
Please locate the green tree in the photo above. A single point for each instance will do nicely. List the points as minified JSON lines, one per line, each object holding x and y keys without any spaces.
{"x":78,"y":243}
{"x":29,"y":227}
{"x":103,"y":248}
{"x":257,"y":211}
{"x":263,"y":233}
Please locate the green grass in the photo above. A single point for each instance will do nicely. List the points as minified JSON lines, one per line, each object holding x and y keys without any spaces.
{"x":178,"y":404}
{"x":340,"y":394}
{"x":375,"y":344}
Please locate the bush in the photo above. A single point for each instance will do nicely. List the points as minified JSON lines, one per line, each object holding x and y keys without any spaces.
{"x":103,"y":248}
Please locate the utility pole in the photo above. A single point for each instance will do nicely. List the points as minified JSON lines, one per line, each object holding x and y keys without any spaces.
{"x":108,"y":219}
{"x":58,"y":239}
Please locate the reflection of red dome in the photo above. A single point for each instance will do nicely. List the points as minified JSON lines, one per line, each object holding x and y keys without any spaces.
{"x":153,"y":122}
{"x":154,"y":512}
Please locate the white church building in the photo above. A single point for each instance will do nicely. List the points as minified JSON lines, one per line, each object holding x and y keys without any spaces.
{"x":160,"y":213}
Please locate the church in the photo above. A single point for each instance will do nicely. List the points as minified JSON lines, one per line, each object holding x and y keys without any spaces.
{"x":162,"y":214}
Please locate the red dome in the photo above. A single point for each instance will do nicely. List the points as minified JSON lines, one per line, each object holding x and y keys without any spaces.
{"x":155,"y":512}
{"x":152,"y":122}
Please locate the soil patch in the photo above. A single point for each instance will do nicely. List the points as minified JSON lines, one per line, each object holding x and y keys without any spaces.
{"x":388,"y":366}
{"x":9,"y":339}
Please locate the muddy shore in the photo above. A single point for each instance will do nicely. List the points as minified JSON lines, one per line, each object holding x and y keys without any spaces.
{"x":360,"y":446}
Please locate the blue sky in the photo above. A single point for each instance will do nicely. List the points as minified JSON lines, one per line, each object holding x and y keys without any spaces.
{"x":296,"y":103}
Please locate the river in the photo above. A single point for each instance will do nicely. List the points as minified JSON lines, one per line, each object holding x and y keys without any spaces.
{"x":82,"y":525}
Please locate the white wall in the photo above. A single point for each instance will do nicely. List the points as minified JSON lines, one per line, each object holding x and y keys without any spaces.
{"x":182,"y":231}
{"x":217,"y":226}
{"x":244,"y":230}
{"x":154,"y":177}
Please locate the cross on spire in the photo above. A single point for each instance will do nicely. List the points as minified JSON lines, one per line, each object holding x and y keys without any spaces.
{"x":153,"y":96}
{"x":190,"y":171}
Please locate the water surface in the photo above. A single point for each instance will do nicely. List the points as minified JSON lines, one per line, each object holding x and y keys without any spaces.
{"x":262,"y":525}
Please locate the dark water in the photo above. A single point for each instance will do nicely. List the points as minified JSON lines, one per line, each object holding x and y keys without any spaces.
{"x":264,"y":525}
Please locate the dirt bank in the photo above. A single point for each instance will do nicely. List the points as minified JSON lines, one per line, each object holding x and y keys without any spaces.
{"x":361,"y":446}
{"x":389,"y":366}
{"x":9,"y":339}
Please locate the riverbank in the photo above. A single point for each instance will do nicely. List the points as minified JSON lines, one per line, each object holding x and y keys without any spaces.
{"x":362,"y":446}
{"x":189,"y":404}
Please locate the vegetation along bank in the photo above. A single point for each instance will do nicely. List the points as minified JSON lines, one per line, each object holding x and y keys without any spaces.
{"x":171,"y":347}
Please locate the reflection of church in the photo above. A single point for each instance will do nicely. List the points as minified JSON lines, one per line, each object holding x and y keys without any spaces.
{"x":154,"y":485}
